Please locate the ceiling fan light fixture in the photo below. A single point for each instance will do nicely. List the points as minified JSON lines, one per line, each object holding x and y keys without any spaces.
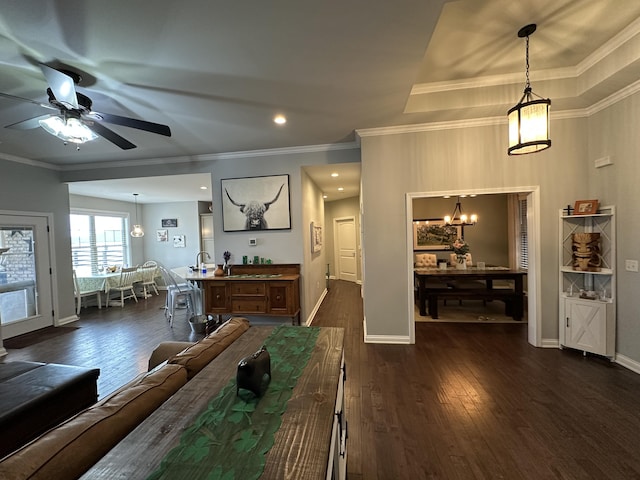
{"x":69,"y":129}
{"x":529,"y":119}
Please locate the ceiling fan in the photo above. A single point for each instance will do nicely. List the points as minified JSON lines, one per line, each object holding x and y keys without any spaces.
{"x":75,"y":121}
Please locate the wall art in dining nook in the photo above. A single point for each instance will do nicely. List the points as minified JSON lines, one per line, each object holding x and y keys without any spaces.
{"x":434,"y":234}
{"x":256,"y":203}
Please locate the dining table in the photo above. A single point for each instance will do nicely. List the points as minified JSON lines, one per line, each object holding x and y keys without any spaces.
{"x":445,"y":280}
{"x":89,"y":280}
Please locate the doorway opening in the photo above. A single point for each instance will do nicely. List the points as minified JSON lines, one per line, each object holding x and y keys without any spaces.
{"x":532,"y":248}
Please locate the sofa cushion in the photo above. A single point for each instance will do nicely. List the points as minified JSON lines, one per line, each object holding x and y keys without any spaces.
{"x":197,"y":356}
{"x":165,"y":350}
{"x":71,"y":448}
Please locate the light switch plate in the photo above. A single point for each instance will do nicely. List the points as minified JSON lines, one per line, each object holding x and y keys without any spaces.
{"x":253,"y":242}
{"x":631,"y":265}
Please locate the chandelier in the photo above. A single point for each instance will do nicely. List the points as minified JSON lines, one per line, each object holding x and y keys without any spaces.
{"x":529,"y":119}
{"x":459,"y":218}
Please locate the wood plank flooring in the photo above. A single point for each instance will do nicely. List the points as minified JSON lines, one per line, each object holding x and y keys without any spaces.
{"x":467,"y":401}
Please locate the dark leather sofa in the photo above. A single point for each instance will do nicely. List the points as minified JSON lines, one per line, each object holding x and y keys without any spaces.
{"x":35,"y":397}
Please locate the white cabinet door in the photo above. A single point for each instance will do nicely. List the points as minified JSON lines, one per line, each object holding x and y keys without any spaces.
{"x":586,"y":325}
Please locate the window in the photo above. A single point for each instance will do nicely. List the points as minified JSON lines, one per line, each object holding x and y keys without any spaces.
{"x":522,"y":242}
{"x":98,"y":239}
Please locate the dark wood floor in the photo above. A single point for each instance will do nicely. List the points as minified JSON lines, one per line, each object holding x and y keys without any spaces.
{"x":467,"y":401}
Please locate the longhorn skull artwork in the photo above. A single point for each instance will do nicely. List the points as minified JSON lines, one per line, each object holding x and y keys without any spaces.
{"x":254,"y":211}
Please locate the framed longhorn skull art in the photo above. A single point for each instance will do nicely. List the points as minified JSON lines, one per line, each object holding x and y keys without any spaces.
{"x":256,"y":203}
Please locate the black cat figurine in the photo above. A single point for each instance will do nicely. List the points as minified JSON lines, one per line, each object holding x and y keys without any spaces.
{"x":254,"y":373}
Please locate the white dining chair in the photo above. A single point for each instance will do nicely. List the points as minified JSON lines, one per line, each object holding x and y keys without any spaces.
{"x":148,"y":273}
{"x":124,"y":285}
{"x":80,"y":294}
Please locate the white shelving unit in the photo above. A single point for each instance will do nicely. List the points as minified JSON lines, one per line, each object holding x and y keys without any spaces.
{"x":588,"y":324}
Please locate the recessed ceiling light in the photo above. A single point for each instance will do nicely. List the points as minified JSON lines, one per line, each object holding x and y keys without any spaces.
{"x":340,"y":189}
{"x":325,"y":196}
{"x":335,"y":174}
{"x":280,"y":119}
{"x":203,"y":187}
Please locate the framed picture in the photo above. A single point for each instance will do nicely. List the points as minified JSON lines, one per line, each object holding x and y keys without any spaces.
{"x":256,"y":203}
{"x":316,"y":237}
{"x":169,"y":222}
{"x":162,"y":235}
{"x":179,"y":241}
{"x":585,"y":207}
{"x":432,"y":234}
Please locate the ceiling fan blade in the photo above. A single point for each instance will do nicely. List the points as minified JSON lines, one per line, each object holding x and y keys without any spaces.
{"x":22,"y":99}
{"x":61,"y":85}
{"x":110,"y":135}
{"x":28,"y":124}
{"x":135,"y":123}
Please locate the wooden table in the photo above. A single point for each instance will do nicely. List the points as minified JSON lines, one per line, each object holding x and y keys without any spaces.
{"x":513,"y":297}
{"x":303,"y":444}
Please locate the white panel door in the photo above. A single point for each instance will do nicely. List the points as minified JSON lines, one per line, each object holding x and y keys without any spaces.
{"x":25,"y":279}
{"x":345,"y":242}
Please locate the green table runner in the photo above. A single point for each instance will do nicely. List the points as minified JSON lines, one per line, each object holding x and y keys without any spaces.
{"x":230,"y":439}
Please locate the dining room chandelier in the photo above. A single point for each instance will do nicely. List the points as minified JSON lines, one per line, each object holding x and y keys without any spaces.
{"x":458,"y":218}
{"x":529,"y":119}
{"x":137,"y":228}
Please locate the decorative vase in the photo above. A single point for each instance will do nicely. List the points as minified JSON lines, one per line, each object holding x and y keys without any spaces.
{"x":219,"y":272}
{"x":461,"y":262}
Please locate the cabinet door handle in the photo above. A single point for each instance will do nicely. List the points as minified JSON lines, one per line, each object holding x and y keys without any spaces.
{"x":567,"y":322}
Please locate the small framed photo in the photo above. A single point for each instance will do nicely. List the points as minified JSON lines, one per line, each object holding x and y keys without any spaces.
{"x":162,"y":235}
{"x":179,"y":241}
{"x":585,"y":207}
{"x":316,"y":237}
{"x":169,"y":222}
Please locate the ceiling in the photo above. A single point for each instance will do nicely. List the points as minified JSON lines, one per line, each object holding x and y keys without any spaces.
{"x":217,"y":72}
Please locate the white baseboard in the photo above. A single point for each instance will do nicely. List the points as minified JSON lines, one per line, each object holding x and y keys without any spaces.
{"x":550,"y":343}
{"x":67,"y":320}
{"x":627,"y":363}
{"x":312,"y":315}
{"x":387,"y":339}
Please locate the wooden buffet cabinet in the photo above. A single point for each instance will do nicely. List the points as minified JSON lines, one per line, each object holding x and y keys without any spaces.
{"x":269,"y":290}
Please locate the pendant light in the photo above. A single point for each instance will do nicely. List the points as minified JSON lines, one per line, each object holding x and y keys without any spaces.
{"x":137,"y":228}
{"x":529,"y":119}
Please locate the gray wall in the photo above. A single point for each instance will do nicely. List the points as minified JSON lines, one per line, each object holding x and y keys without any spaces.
{"x":462,"y":159}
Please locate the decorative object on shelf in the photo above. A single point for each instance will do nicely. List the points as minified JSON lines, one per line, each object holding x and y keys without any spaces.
{"x":585,"y":207}
{"x":162,"y":235}
{"x":137,"y":228}
{"x":169,"y":222}
{"x":254,"y":373}
{"x":256,"y":203}
{"x":226,"y":268}
{"x":179,"y":241}
{"x":529,"y":119}
{"x":316,"y":237}
{"x":460,"y":248}
{"x":460,"y":219}
{"x":219,"y":272}
{"x":568,"y":209}
{"x":586,"y":251}
{"x":434,"y":234}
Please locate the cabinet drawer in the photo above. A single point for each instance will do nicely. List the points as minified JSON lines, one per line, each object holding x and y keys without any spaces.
{"x":248,"y":288}
{"x":249,"y":305}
